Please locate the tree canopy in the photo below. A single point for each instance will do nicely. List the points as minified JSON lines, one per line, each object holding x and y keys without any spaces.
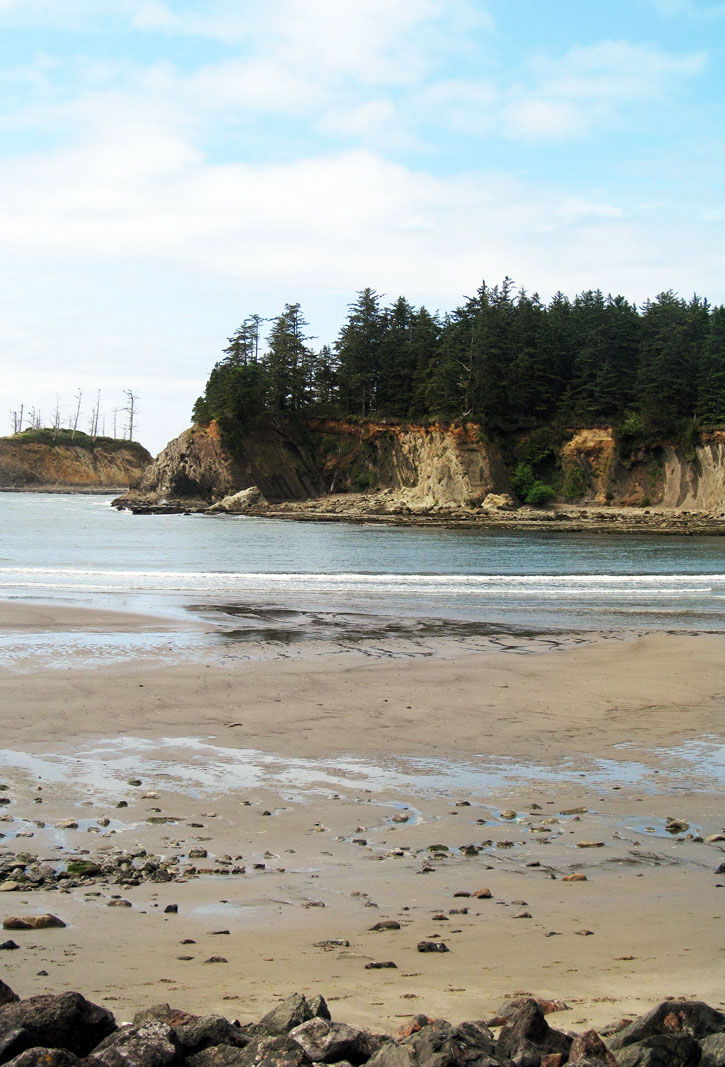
{"x":502,"y":358}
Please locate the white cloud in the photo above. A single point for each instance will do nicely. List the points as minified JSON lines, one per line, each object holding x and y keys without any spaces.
{"x":594,"y":84}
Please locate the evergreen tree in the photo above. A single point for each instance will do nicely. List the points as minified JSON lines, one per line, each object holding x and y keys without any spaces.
{"x":711,"y":371}
{"x":358,"y":349}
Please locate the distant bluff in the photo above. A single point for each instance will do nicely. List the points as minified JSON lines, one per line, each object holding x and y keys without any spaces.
{"x":49,"y":460}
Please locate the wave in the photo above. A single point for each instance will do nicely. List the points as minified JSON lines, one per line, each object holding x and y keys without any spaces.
{"x":579,"y":586}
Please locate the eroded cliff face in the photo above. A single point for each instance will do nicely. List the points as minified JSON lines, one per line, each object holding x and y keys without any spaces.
{"x":426,"y":465}
{"x":423,"y":467}
{"x":658,"y":476}
{"x":196,"y":470}
{"x":33,"y":465}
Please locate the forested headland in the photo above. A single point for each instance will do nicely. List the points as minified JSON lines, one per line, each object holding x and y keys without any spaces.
{"x":503,"y":359}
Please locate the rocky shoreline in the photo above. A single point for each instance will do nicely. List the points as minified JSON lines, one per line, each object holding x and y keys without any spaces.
{"x":66,"y":1030}
{"x":393,"y":509}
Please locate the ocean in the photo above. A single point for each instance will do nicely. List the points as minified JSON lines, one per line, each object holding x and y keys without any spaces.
{"x":282,"y":583}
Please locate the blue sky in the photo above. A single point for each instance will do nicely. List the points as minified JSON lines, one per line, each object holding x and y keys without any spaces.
{"x":168,"y":167}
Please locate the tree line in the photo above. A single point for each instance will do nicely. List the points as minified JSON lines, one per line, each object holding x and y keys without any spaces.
{"x":502,"y":358}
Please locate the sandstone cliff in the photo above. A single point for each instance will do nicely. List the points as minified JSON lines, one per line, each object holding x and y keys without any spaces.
{"x":659,"y":476}
{"x":421,"y":468}
{"x":29,"y":463}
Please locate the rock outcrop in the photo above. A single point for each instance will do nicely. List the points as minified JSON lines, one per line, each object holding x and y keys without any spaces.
{"x":31,"y":464}
{"x":196,"y":471}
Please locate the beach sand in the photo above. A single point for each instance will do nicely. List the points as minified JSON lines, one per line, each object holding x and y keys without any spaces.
{"x":301,"y":764}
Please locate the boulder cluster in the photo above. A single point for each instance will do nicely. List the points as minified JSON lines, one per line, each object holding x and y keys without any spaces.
{"x":66,"y":1030}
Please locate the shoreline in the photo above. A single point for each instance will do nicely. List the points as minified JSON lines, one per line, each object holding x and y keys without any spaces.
{"x":390,"y":786}
{"x":384,"y":509}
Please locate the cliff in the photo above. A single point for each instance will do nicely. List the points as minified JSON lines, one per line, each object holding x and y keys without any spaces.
{"x":34,"y":461}
{"x":419,"y":469}
{"x":660,"y":475}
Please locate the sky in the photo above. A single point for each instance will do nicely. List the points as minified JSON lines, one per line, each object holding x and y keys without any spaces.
{"x":169,"y":167}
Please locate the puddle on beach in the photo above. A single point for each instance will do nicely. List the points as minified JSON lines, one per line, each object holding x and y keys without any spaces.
{"x":199,"y":767}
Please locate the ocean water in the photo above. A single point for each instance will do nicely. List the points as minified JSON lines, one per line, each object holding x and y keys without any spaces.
{"x":267,"y":578}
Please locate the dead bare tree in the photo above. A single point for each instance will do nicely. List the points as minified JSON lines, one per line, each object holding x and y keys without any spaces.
{"x":76,"y":417}
{"x":130,"y":409}
{"x":95,"y":413}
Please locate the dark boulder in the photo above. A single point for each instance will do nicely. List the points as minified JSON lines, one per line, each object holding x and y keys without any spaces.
{"x":327,"y":1042}
{"x":13,"y":1041}
{"x":279,"y":1051}
{"x":588,"y":1050}
{"x":6,"y":994}
{"x":527,"y":1038}
{"x":661,"y":1050}
{"x":194,"y":1033}
{"x":152,"y":1044}
{"x":691,"y":1017}
{"x":713,"y":1051}
{"x":217,"y":1056}
{"x":45,"y":1057}
{"x":293,"y":1011}
{"x":438,"y":1044}
{"x":66,"y":1021}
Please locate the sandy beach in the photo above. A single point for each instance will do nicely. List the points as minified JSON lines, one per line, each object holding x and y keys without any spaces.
{"x":296,"y":803}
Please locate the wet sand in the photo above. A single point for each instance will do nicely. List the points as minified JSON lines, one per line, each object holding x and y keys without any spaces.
{"x":492,"y":750}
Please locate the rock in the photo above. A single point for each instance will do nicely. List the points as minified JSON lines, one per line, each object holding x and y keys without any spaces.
{"x":509,"y":1007}
{"x":676,"y":826}
{"x":83,"y":868}
{"x":508,"y":813}
{"x":280,"y":1051}
{"x":481,"y":894}
{"x":327,"y":1042}
{"x":32,"y":922}
{"x":527,"y":1037}
{"x":8,"y":946}
{"x":7,"y":996}
{"x":576,"y":877}
{"x":498,"y":502}
{"x":216,"y":959}
{"x":661,"y":1050}
{"x":588,"y":1050}
{"x":239,"y":503}
{"x":171,"y":909}
{"x":152,"y":1044}
{"x":432,"y":946}
{"x":65,"y":1021}
{"x":207,"y":1031}
{"x":522,"y":915}
{"x":67,"y":824}
{"x":381,"y":966}
{"x":590,"y":844}
{"x":386,"y":924}
{"x":435,"y":1043}
{"x":9,"y":887}
{"x":292,"y":1012}
{"x":45,"y":1057}
{"x":691,"y":1017}
{"x":713,"y":1051}
{"x":120,"y":903}
{"x":216,"y":1056}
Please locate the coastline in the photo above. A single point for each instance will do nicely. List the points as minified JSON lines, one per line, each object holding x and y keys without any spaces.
{"x":335,"y":747}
